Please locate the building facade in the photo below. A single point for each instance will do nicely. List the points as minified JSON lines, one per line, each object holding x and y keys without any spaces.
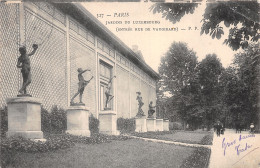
{"x":69,"y":37}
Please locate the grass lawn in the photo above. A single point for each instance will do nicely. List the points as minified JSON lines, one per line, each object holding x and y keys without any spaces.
{"x":129,"y":153}
{"x":193,"y":137}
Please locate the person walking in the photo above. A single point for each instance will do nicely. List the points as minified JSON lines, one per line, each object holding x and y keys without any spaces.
{"x":218,"y":128}
{"x":252,"y":128}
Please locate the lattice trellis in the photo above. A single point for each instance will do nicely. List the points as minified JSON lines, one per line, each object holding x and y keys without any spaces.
{"x":52,"y":11}
{"x":123,"y":106}
{"x":145,"y":95}
{"x":82,"y":57}
{"x":49,"y":62}
{"x":134,"y":84}
{"x":9,"y":39}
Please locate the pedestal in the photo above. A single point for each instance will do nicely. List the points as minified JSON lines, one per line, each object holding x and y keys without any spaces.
{"x":159,"y":124}
{"x":24,"y":117}
{"x":165,"y":125}
{"x":78,"y":121}
{"x":108,"y":122}
{"x":151,"y":124}
{"x":140,"y":124}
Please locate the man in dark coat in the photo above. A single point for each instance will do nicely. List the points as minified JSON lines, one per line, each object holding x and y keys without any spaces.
{"x":218,"y":128}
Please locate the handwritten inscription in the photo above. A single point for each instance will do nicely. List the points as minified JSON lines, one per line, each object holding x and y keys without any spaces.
{"x":226,"y":145}
{"x":239,"y":148}
{"x":242,"y":137}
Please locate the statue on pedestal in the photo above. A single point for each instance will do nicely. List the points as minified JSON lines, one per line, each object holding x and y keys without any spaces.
{"x":151,"y":110}
{"x":82,"y":84}
{"x":140,"y":104}
{"x":25,"y":65}
{"x":108,"y":94}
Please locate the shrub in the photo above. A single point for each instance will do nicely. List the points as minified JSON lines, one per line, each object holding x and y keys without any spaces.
{"x":175,"y":126}
{"x":21,"y":144}
{"x":58,"y":118}
{"x":4,"y":121}
{"x":45,"y":120}
{"x":93,"y":124}
{"x":199,"y":158}
{"x":10,"y":147}
{"x":126,"y":125}
{"x":207,"y":139}
{"x":55,"y":121}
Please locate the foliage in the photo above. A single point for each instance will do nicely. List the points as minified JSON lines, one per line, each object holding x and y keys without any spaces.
{"x":25,"y":145}
{"x":4,"y":121}
{"x":54,"y":121}
{"x":209,"y":72}
{"x":178,"y":70}
{"x":198,"y":159}
{"x":195,"y":89}
{"x":58,"y":119}
{"x":173,"y":11}
{"x":175,"y":126}
{"x":93,"y":124}
{"x":10,"y":147}
{"x":126,"y":125}
{"x":242,"y":91}
{"x":45,"y":120}
{"x":207,"y":139}
{"x":242,"y":19}
{"x":233,"y":13}
{"x":177,"y":67}
{"x":108,"y":155}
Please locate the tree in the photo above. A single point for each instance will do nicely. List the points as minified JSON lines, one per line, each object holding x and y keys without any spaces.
{"x":177,"y":67}
{"x":178,"y":74}
{"x":229,"y":13}
{"x":209,"y":72}
{"x":227,"y":80}
{"x":248,"y":80}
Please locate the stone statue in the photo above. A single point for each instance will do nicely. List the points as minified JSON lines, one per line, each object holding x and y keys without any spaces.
{"x":82,"y":84}
{"x":151,"y":110}
{"x":24,"y":63}
{"x":108,"y":94}
{"x":140,"y":104}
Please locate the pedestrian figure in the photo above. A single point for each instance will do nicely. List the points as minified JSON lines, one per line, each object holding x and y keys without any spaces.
{"x":108,"y":94}
{"x":252,"y":127}
{"x":238,"y":127}
{"x":218,"y":128}
{"x":82,"y":84}
{"x":222,"y":129}
{"x":25,"y":65}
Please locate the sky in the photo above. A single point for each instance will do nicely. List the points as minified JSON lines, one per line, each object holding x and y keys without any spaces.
{"x":154,"y":44}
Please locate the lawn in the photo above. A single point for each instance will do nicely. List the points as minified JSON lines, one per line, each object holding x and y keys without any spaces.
{"x":128,"y":153}
{"x":193,"y":137}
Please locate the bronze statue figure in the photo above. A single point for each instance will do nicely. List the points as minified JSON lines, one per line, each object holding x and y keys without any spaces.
{"x":25,"y":65}
{"x":140,"y":104}
{"x":82,"y":84}
{"x":151,"y":110}
{"x":108,"y":94}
